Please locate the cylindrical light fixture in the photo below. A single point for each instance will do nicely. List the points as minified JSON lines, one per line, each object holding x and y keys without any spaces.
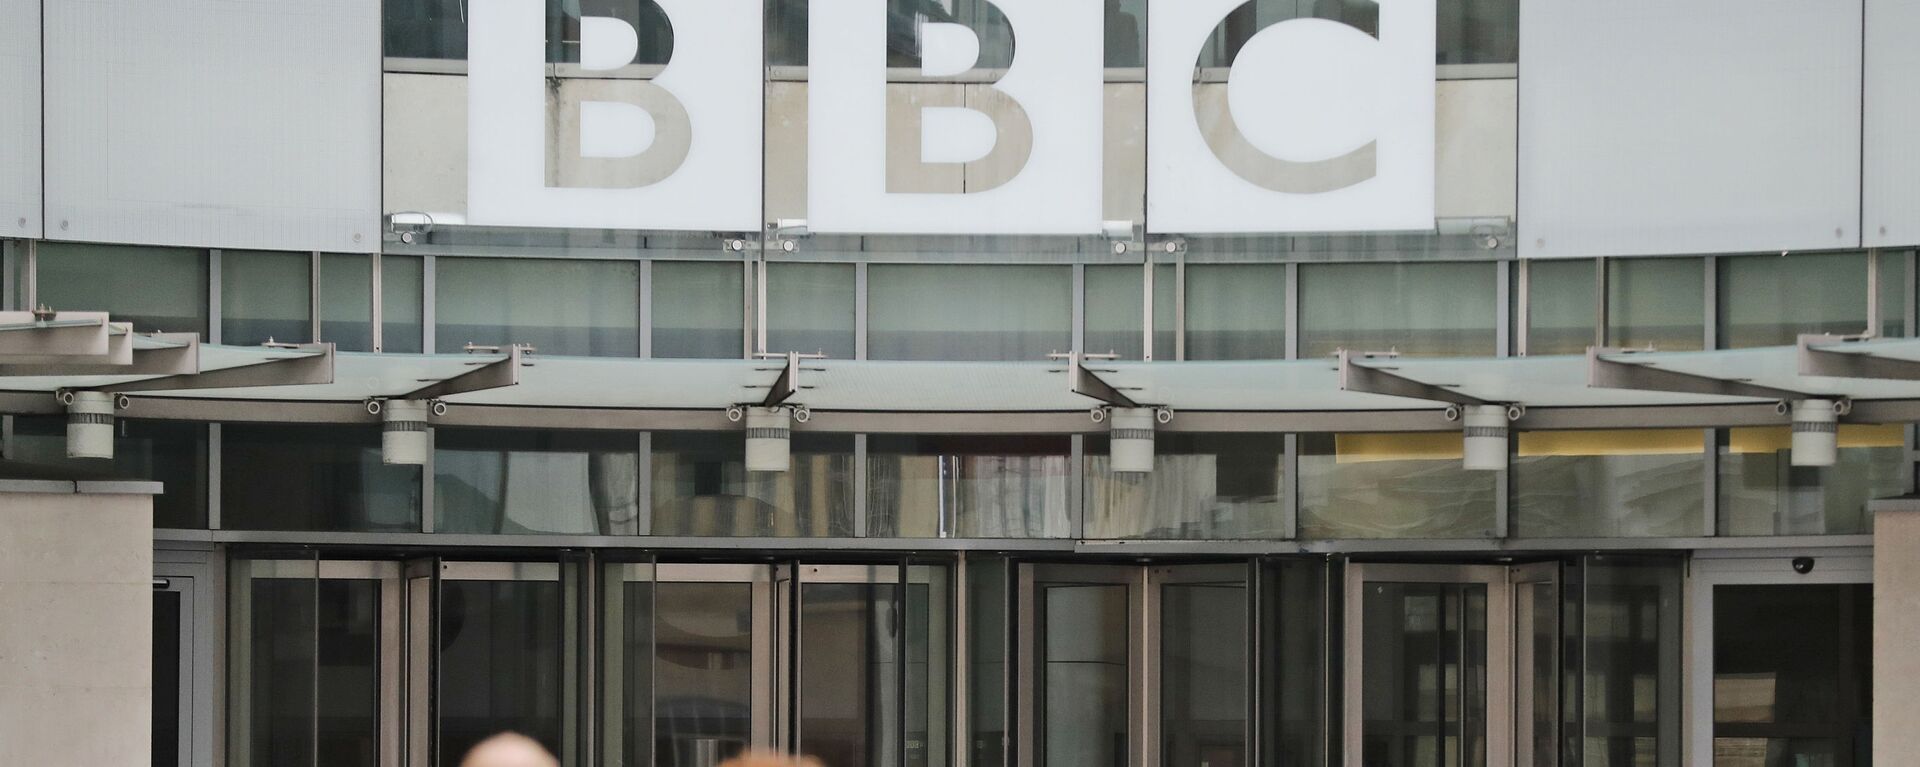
{"x":1486,"y":436}
{"x":1130,"y":439}
{"x":1816,"y":432}
{"x":769,"y":439}
{"x":89,"y":424}
{"x":403,"y":432}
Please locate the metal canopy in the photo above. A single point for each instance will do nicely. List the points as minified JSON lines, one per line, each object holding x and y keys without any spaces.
{"x":1330,"y":385}
{"x":1859,"y":357}
{"x":1086,"y":381}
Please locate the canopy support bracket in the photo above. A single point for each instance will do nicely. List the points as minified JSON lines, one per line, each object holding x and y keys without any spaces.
{"x":1372,"y":380}
{"x":1818,"y":359}
{"x":495,"y":374}
{"x":1607,"y":373}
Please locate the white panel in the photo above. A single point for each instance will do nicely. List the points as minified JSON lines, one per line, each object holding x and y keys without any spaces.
{"x":1320,"y":126}
{"x":214,"y":123}
{"x":1653,"y":126}
{"x":19,"y":118}
{"x":1891,"y":210}
{"x":1055,"y":79}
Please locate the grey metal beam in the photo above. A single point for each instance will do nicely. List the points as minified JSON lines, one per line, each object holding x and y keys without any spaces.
{"x":495,"y":374}
{"x":183,"y":359}
{"x":1827,"y":363}
{"x":70,"y":336}
{"x":315,"y":368}
{"x":1087,"y":382}
{"x":1605,"y":373}
{"x":1373,"y":380}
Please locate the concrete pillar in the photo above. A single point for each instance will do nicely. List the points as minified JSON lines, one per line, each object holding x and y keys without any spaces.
{"x":76,"y":622}
{"x":1896,"y":621}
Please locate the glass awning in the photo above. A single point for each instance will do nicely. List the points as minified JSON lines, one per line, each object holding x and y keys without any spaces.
{"x":1723,"y":377}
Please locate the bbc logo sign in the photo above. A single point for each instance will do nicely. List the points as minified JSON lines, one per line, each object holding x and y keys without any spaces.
{"x":1312,"y":125}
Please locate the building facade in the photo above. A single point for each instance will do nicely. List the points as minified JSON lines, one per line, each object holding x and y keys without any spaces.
{"x":1278,"y":382}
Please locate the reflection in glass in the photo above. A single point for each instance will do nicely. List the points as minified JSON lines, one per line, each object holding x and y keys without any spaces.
{"x":278,"y":693}
{"x":1293,"y":666}
{"x":1470,"y":31}
{"x":1628,"y":643}
{"x":173,"y":453}
{"x":156,"y":289}
{"x":1561,"y":310}
{"x":500,"y":663}
{"x":402,"y":328}
{"x":346,"y":301}
{"x":701,"y":486}
{"x":528,"y":481}
{"x":810,"y":308}
{"x":1763,"y":493}
{"x":1793,"y":675}
{"x":1392,"y":485}
{"x":1236,"y":312}
{"x":1603,"y":484}
{"x":308,"y":693}
{"x":1658,"y":302}
{"x":989,"y":625}
{"x":968,"y":486}
{"x":1115,"y":299}
{"x":561,"y":307}
{"x":1770,"y":300}
{"x":437,"y":29}
{"x":305,"y":477}
{"x":1202,"y":486}
{"x":1083,"y":684}
{"x":265,"y":296}
{"x":1429,"y":310}
{"x":1203,"y":674}
{"x":701,"y":661}
{"x":698,"y":309}
{"x":1424,"y":674}
{"x":166,"y":678}
{"x":968,"y":312}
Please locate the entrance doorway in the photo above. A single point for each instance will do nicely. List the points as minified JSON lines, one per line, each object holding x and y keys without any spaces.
{"x":1452,"y":665}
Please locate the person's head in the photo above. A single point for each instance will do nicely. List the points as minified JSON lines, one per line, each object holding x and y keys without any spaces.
{"x":769,"y":758}
{"x":509,"y":749}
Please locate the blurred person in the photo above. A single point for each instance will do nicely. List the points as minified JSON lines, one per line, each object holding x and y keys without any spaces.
{"x":761,"y":757}
{"x":509,"y":749}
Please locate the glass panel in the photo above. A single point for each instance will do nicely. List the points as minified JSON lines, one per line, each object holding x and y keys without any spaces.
{"x":1082,"y":721}
{"x":1894,"y":280}
{"x":402,"y":281}
{"x":1630,"y":644}
{"x":968,"y":312}
{"x":701,"y":486}
{"x":810,"y":308}
{"x":850,"y":698}
{"x":1201,"y":486}
{"x":1771,"y":300}
{"x":166,"y":678}
{"x":1166,"y":309}
{"x":699,"y":309}
{"x":1392,"y":485}
{"x":1560,"y":306}
{"x":1115,"y":304}
{"x":1470,"y":31}
{"x":1536,"y":671}
{"x":701,"y":659}
{"x":346,"y":301}
{"x":1293,"y":670}
{"x":172,"y":453}
{"x":1236,"y":312}
{"x":989,"y":625}
{"x":1603,"y":484}
{"x":1763,"y":493}
{"x":1658,"y":302}
{"x":562,"y":307}
{"x":500,"y":663}
{"x":1445,"y":309}
{"x":524,"y":481}
{"x":274,"y":675}
{"x":437,"y":29}
{"x":348,"y":715}
{"x":320,"y":478}
{"x":265,"y":296}
{"x":1793,"y":675}
{"x":156,"y":289}
{"x":1423,"y":678}
{"x":968,"y":486}
{"x":1203,"y":674}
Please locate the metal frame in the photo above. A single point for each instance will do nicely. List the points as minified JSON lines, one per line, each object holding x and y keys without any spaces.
{"x":1758,"y":568}
{"x":1031,"y":636}
{"x":1380,"y":380}
{"x":1819,"y":359}
{"x":1499,"y":658}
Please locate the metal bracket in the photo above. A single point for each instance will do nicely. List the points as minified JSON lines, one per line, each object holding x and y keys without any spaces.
{"x":70,"y":337}
{"x":305,"y":369}
{"x":182,"y":358}
{"x":1604,"y":373}
{"x":1827,"y":363}
{"x":497,"y":374}
{"x":1087,"y":382}
{"x":1371,"y":380}
{"x":787,"y":383}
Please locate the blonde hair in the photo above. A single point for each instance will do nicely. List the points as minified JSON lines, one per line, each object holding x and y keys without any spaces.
{"x":763,"y":757}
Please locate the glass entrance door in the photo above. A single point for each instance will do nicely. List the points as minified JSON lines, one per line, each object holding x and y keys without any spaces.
{"x":502,"y":655}
{"x":1429,"y":675}
{"x":687,"y":662}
